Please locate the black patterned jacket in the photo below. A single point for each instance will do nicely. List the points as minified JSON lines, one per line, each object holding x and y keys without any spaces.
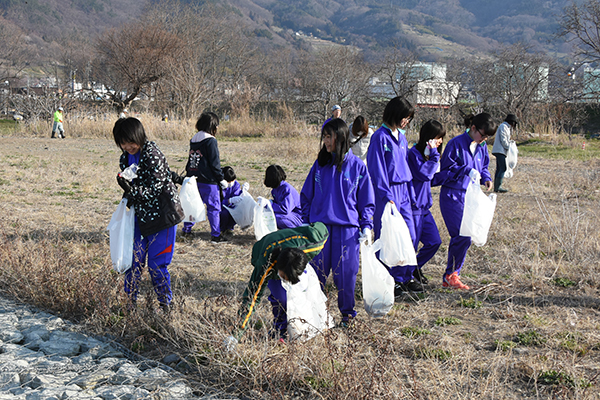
{"x":153,"y":193}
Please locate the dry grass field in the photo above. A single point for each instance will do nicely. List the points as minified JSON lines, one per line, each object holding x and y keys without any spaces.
{"x":529,"y":328}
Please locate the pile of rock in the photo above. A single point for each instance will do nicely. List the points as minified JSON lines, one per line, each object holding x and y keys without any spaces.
{"x":42,"y":357}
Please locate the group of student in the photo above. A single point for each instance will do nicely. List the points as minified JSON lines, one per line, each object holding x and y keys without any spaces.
{"x":341,"y":202}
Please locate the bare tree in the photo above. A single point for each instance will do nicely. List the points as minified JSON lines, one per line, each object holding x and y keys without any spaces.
{"x":399,"y":73}
{"x":13,"y":50}
{"x":512,"y":82}
{"x":132,"y":58}
{"x":334,"y":75}
{"x":580,"y":24}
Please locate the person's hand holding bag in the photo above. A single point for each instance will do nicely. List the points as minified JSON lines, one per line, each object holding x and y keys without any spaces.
{"x":123,"y":183}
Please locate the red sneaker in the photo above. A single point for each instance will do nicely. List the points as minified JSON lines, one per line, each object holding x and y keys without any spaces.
{"x":453,"y":281}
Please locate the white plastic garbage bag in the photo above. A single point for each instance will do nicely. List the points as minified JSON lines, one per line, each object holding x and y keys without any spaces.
{"x":377,"y":283}
{"x":264,"y":218}
{"x":191,"y":202}
{"x":396,"y":243}
{"x":511,"y":159}
{"x":306,"y":306}
{"x":242,"y":211}
{"x":478,"y":214}
{"x":120,"y":228}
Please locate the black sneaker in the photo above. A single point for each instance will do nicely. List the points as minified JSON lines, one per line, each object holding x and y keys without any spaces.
{"x":414,"y":286}
{"x":218,"y":239}
{"x":400,"y":289}
{"x":419,"y":277}
{"x":411,"y":286}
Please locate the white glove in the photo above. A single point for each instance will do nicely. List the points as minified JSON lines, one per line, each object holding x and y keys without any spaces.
{"x":223,"y":184}
{"x":230,"y":343}
{"x":365,"y":235}
{"x":235,"y":200}
{"x":246,"y":186}
{"x":474,"y":175}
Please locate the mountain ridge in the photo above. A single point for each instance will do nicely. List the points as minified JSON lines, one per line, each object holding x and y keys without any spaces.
{"x":434,"y":29}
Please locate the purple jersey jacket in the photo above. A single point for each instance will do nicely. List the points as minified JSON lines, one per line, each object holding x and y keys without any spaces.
{"x":343,"y":198}
{"x":423,"y":172}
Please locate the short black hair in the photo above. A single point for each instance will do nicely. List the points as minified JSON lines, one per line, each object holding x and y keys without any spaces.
{"x":208,"y":122}
{"x":396,"y":110}
{"x":292,"y":262}
{"x":228,"y":174}
{"x":129,"y":130}
{"x":484,"y":122}
{"x":274,"y":175}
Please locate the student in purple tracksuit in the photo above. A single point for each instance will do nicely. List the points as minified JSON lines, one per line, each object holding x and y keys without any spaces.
{"x":424,"y":162}
{"x":465,"y":159}
{"x":286,"y":200}
{"x":233,"y":189}
{"x":205,"y":165}
{"x":157,"y":209}
{"x":391,"y":176}
{"x":338,"y":192}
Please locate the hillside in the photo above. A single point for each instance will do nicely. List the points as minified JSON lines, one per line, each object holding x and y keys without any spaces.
{"x":433,"y":28}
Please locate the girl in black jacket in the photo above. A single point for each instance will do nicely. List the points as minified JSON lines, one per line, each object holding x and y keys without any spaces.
{"x":204,"y":163}
{"x":157,"y":208}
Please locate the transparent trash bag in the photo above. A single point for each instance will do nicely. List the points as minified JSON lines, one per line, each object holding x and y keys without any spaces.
{"x":511,"y":159}
{"x":129,"y":173}
{"x":396,"y":243}
{"x":264,"y":218}
{"x":377,"y":283}
{"x":478,"y":214}
{"x":191,"y":202}
{"x":121,"y":228}
{"x":242,"y":211}
{"x":306,"y":307}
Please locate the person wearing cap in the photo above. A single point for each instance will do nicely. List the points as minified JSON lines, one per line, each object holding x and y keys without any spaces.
{"x":336,"y":112}
{"x":57,"y":127}
{"x":501,"y":144}
{"x":124,"y":113}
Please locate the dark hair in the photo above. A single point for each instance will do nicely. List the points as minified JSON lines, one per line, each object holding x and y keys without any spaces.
{"x":208,"y":122}
{"x":468,"y":120}
{"x":338,"y":128}
{"x":484,"y":122}
{"x":431,"y":129}
{"x":396,"y":110}
{"x":292,"y":262}
{"x":228,"y":174}
{"x":129,"y":130}
{"x":360,"y":125}
{"x":274,"y":175}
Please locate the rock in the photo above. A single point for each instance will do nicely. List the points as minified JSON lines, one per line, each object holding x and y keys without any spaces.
{"x":62,"y":344}
{"x":105,"y":351}
{"x":11,"y":336}
{"x":92,"y":380}
{"x":171,"y":359}
{"x":126,"y":374}
{"x":36,"y":332}
{"x":126,"y":392}
{"x":8,"y":380}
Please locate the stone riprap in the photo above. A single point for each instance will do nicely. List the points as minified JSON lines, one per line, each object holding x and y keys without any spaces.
{"x":43,"y":357}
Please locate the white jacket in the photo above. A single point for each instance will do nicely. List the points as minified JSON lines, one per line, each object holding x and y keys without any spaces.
{"x":361,"y":146}
{"x":502,"y":138}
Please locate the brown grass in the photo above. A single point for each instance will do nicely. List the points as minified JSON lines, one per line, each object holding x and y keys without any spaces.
{"x":529,"y":329}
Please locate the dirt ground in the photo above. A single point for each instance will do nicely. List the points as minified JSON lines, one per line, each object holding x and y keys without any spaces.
{"x":529,"y":328}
